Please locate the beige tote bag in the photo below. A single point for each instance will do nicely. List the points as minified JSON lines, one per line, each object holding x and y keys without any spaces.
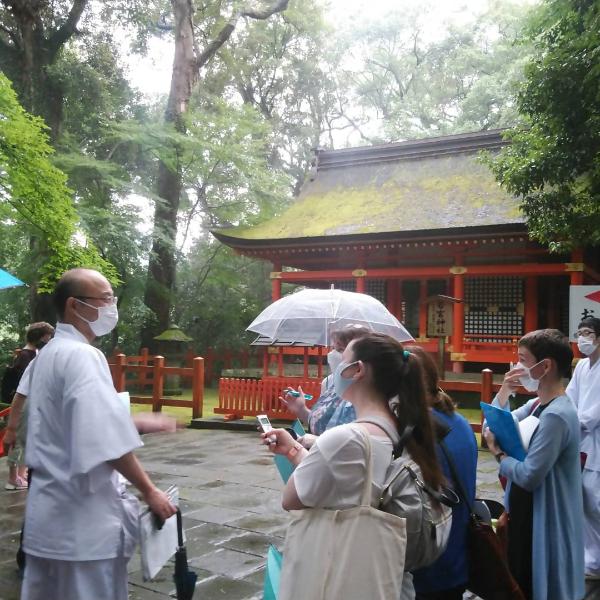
{"x":351,"y":554}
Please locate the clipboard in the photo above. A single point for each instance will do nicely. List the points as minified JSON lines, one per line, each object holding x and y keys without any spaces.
{"x":284,"y":466}
{"x":505,"y":428}
{"x":157,"y":546}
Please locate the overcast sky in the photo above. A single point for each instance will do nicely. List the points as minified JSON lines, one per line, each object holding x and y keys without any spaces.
{"x":152,"y":74}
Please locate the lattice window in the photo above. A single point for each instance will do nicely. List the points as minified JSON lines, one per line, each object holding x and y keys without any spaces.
{"x":377,"y":289}
{"x":494,"y":306}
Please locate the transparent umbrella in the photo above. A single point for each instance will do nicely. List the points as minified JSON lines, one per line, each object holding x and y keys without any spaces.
{"x":310,"y":316}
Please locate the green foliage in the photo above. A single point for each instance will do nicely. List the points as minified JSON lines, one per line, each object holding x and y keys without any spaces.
{"x":34,"y":193}
{"x":553,"y":162}
{"x":218,"y":295}
{"x":411,"y":84}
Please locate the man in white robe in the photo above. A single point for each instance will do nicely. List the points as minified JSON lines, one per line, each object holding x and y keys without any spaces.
{"x":584,"y":391}
{"x":80,"y":524}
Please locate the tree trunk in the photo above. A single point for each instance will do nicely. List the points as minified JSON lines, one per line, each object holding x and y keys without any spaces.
{"x":160,"y":283}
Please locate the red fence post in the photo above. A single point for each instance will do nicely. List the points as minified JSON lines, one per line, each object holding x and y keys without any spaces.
{"x":487,"y":394}
{"x":119,"y":372}
{"x":142,"y":375}
{"x":158,"y":383}
{"x":197,"y":387}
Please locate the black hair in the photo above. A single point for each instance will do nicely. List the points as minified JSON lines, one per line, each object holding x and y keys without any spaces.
{"x":398,"y":377}
{"x":550,"y":343}
{"x":592,"y":323}
{"x":36,"y":331}
{"x":436,"y":396}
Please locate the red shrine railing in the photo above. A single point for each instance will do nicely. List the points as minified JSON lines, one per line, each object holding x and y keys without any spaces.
{"x":153,"y":371}
{"x":249,"y":397}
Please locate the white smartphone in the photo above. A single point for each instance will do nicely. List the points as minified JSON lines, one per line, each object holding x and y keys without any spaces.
{"x":266,"y":426}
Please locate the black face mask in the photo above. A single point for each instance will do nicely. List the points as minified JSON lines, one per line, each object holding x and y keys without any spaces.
{"x":41,"y":345}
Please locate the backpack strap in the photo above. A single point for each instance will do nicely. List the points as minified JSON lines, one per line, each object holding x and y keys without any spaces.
{"x":457,"y":480}
{"x":397,"y":440}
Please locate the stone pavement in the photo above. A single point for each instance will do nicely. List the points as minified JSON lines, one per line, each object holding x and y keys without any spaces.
{"x":230,"y":500}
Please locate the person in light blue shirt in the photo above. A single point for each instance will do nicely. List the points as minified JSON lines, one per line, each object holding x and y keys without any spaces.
{"x":543,"y":496}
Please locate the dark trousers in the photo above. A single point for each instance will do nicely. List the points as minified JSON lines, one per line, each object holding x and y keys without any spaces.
{"x":452,"y":594}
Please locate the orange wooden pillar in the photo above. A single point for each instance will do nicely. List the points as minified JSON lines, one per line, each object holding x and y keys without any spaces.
{"x":576,"y":275}
{"x":531,"y":304}
{"x":158,"y":383}
{"x":361,"y":284}
{"x":458,"y":315}
{"x":276,"y":282}
{"x":423,"y":309}
{"x":197,"y":387}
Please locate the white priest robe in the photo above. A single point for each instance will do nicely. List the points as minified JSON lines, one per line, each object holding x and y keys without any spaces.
{"x":77,"y":512}
{"x":584,"y":392}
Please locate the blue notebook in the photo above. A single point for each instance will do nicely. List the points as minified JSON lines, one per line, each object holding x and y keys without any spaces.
{"x":506,"y":429}
{"x":284,"y":466}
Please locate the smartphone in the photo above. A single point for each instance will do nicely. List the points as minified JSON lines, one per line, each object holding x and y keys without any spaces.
{"x":266,"y":426}
{"x":297,"y":394}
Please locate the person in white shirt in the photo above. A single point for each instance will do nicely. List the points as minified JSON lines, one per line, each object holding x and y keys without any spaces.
{"x":382,"y":381}
{"x":80,"y":523}
{"x":584,"y":391}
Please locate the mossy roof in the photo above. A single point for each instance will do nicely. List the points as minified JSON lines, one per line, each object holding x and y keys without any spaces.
{"x":173,"y":334}
{"x":374,"y":191}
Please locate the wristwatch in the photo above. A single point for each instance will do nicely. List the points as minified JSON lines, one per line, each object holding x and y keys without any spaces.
{"x":293,"y":451}
{"x":499,"y":456}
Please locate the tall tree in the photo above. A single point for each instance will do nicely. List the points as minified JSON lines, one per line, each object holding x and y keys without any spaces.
{"x":412,"y":84}
{"x":34,"y":193}
{"x":189,"y":59}
{"x":553,"y":161}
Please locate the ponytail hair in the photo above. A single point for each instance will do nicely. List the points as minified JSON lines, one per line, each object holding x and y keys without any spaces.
{"x":436,"y":396}
{"x":398,"y":376}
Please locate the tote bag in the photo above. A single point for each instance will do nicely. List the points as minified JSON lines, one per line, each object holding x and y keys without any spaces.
{"x":343,"y":554}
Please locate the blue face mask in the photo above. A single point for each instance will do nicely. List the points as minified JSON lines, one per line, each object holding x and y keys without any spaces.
{"x":341,"y":384}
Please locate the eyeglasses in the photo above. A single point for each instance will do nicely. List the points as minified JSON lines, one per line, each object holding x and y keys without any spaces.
{"x":109,"y":299}
{"x":585,"y":333}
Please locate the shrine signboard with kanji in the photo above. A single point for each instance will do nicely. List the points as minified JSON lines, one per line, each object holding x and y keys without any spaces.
{"x":439,"y":318}
{"x":584,"y":301}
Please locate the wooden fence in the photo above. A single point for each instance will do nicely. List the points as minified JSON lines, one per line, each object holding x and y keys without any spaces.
{"x":249,"y":397}
{"x":152,"y":371}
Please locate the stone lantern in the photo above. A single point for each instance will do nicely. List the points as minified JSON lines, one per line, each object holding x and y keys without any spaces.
{"x":173,"y":343}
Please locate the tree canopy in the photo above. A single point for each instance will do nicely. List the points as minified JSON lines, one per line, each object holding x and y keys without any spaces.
{"x":553,"y":161}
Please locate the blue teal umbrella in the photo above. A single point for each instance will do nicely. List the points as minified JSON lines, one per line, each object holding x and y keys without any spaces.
{"x":7,"y":280}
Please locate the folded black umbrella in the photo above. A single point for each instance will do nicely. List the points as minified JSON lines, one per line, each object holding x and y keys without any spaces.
{"x":185,"y":580}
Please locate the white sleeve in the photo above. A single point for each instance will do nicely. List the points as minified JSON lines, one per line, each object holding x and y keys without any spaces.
{"x":23,"y":387}
{"x":572,"y":390}
{"x":99,"y":425}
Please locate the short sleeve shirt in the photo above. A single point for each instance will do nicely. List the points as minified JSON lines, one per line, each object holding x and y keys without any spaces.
{"x":332,"y":474}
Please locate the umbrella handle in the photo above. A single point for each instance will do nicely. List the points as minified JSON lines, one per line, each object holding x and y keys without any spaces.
{"x":179,"y":529}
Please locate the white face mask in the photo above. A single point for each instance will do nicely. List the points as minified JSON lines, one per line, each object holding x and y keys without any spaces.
{"x":108,"y":317}
{"x":527,"y":381}
{"x":334,"y":358}
{"x":586,"y":345}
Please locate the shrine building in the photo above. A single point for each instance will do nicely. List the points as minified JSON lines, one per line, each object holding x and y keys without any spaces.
{"x":410,"y":221}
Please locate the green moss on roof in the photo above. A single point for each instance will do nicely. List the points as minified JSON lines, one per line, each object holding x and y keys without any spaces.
{"x":173,"y":334}
{"x":409,"y":195}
